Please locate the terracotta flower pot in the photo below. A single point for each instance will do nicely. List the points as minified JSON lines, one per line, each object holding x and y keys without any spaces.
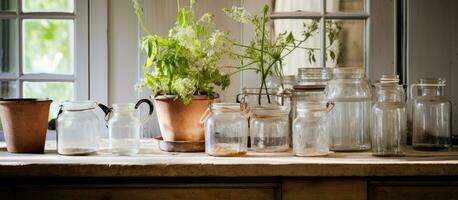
{"x":180,"y":122}
{"x":24,"y":124}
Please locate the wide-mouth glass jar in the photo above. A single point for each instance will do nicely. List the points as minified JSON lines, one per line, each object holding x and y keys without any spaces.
{"x":78,"y":128}
{"x":226,"y":130}
{"x":310,"y":130}
{"x":349,"y":120}
{"x":432,"y":120}
{"x":269,"y":128}
{"x":389,"y":118}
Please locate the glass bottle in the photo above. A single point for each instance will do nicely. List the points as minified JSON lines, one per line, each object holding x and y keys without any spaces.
{"x":269,"y":128}
{"x":226,"y":130}
{"x":349,"y":120}
{"x":125,"y":128}
{"x":310,"y":131}
{"x":78,"y":128}
{"x":389,"y":118}
{"x":431,"y":115}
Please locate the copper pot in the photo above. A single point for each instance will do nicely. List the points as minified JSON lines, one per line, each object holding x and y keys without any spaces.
{"x":180,"y":122}
{"x":25,"y":123}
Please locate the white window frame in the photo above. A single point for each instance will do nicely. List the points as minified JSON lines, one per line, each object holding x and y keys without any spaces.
{"x":83,"y":90}
{"x":325,"y":15}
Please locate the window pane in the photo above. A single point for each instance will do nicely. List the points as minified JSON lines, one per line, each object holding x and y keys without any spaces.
{"x":8,"y":47}
{"x":309,"y":53}
{"x":48,"y":46}
{"x":344,"y":5}
{"x":345,"y":43}
{"x":57,"y":91}
{"x":8,"y":89}
{"x":8,"y":5}
{"x":47,"y":5}
{"x":297,"y":5}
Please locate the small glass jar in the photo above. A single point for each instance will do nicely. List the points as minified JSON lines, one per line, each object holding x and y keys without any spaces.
{"x":432,"y":118}
{"x":269,"y":128}
{"x":350,"y":118}
{"x":77,"y":128}
{"x":226,"y":130}
{"x":125,"y":128}
{"x":310,"y":131}
{"x":389,"y":118}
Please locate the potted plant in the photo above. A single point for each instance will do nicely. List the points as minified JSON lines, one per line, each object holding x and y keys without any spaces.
{"x":182,"y":70}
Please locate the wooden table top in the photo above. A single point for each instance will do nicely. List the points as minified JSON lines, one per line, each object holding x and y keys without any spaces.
{"x":151,"y":162}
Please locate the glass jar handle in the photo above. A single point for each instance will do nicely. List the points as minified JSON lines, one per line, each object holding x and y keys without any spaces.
{"x":150,"y":105}
{"x":412,"y":87}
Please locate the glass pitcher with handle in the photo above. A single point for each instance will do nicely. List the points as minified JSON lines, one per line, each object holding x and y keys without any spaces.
{"x":125,"y":127}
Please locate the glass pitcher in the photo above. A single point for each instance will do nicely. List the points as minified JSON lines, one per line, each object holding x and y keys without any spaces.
{"x":226,"y":129}
{"x":310,"y":130}
{"x":389,"y":118}
{"x":78,"y":129}
{"x":432,"y":121}
{"x":125,"y":127}
{"x":349,"y":120}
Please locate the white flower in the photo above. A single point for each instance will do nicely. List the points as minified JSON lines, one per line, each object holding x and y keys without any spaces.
{"x":185,"y":87}
{"x":238,"y":14}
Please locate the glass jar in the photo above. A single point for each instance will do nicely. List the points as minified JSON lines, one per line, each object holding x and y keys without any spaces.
{"x":269,"y":128}
{"x":78,"y":128}
{"x":389,"y":118}
{"x":310,"y":86}
{"x":350,"y":118}
{"x":125,"y":127}
{"x":432,"y":121}
{"x":226,"y":130}
{"x":310,"y":131}
{"x":250,"y":96}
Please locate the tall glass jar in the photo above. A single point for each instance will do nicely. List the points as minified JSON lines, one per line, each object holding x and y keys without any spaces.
{"x":77,"y":128}
{"x":432,"y":121}
{"x":226,"y":130}
{"x":125,"y":128}
{"x":310,"y":130}
{"x":269,"y":128}
{"x":350,"y":118}
{"x":389,"y":118}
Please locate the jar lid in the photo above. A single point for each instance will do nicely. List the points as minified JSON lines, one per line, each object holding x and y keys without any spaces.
{"x":124,"y":107}
{"x":313,"y":73}
{"x":226,"y":107}
{"x":269,"y":111}
{"x":431,"y":81}
{"x":78,"y":105}
{"x":348,"y":72}
{"x":312,"y":106}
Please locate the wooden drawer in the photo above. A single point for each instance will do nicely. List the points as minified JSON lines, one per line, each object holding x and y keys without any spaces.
{"x":149,"y":191}
{"x":404,"y":190}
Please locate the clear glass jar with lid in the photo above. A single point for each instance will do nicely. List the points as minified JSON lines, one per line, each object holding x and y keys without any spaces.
{"x":349,"y":120}
{"x":389,"y":118}
{"x":78,"y":128}
{"x":226,"y":129}
{"x":269,"y":128}
{"x":432,"y":118}
{"x":310,"y":130}
{"x":125,"y":127}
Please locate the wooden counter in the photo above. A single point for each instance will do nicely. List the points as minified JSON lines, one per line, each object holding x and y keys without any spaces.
{"x":280,"y":175}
